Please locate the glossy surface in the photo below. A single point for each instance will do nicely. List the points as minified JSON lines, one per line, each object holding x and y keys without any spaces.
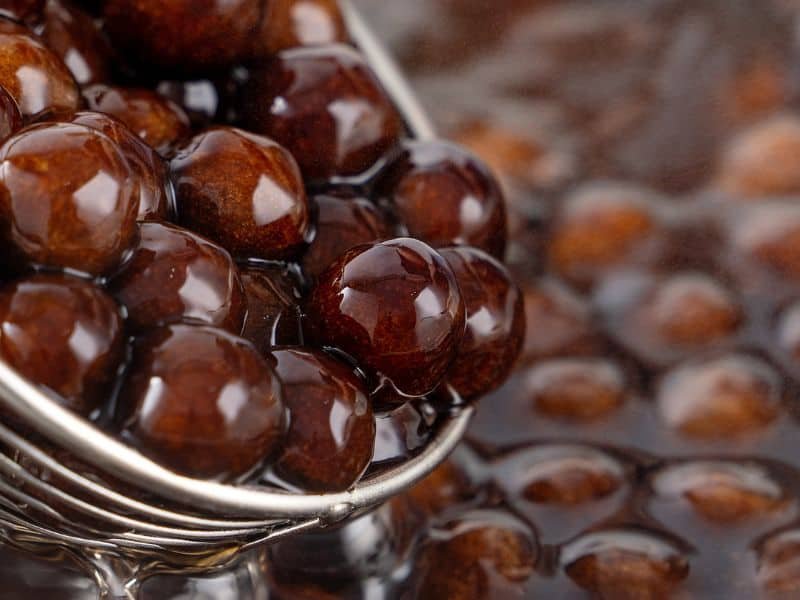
{"x":293,"y":23}
{"x":202,"y":402}
{"x":332,"y":430}
{"x":445,"y":196}
{"x":396,"y":308}
{"x":67,"y":199}
{"x":176,"y":275}
{"x":273,"y":312}
{"x":243,"y":191}
{"x":325,"y":106}
{"x":343,"y":220}
{"x":34,"y":75}
{"x":10,"y":117}
{"x":495,"y":322}
{"x":159,"y":122}
{"x":22,"y":10}
{"x":64,"y":334}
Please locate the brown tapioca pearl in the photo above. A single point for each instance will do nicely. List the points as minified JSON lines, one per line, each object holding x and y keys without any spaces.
{"x":65,"y":334}
{"x":778,"y":570}
{"x":625,"y":564}
{"x":183,"y":36}
{"x":75,"y":37}
{"x":768,"y":238}
{"x":445,"y":196}
{"x":558,"y":322}
{"x":273,"y":313}
{"x":576,"y":389}
{"x":201,"y":99}
{"x":601,"y":227}
{"x":176,"y":275}
{"x":760,"y":87}
{"x":479,"y":555}
{"x":22,"y":10}
{"x":724,"y":492}
{"x":762,"y":161}
{"x":34,"y":75}
{"x":396,"y":308}
{"x":445,"y":487}
{"x":201,"y":401}
{"x":67,"y":199}
{"x":402,"y":432}
{"x":332,"y":430}
{"x":344,"y":220}
{"x":560,"y":475}
{"x":10,"y":117}
{"x":159,"y":122}
{"x":243,"y":191}
{"x":324,"y":104}
{"x":720,"y":397}
{"x":495,"y":322}
{"x":294,"y":23}
{"x":149,"y":169}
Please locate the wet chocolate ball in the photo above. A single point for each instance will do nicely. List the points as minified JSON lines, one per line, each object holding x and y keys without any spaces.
{"x":396,"y":308}
{"x":445,"y":196}
{"x":332,"y":431}
{"x":67,"y":199}
{"x":65,"y":334}
{"x":243,"y":191}
{"x":176,"y":275}
{"x":273,"y":306}
{"x":293,"y":23}
{"x":202,"y":402}
{"x":325,"y":105}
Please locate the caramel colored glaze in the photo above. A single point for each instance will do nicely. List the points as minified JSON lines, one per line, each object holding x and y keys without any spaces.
{"x":294,"y":23}
{"x":243,"y":191}
{"x":324,"y":104}
{"x":159,"y":122}
{"x":65,"y":334}
{"x":273,"y":314}
{"x":183,"y":36}
{"x":396,"y":308}
{"x":332,"y":430}
{"x":67,"y":199}
{"x":74,"y":36}
{"x":344,"y":220}
{"x":176,"y":275}
{"x":149,"y":169}
{"x":445,"y":196}
{"x":34,"y":75}
{"x":202,"y":402}
{"x":22,"y":10}
{"x":10,"y":117}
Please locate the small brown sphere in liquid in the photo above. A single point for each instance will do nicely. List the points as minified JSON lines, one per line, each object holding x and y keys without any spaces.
{"x":243,"y":191}
{"x":767,"y":236}
{"x":325,"y":105}
{"x":10,"y":117}
{"x":65,"y":334}
{"x":721,"y":397}
{"x":67,"y":198}
{"x":495,"y":322}
{"x":343,"y":221}
{"x":332,"y":431}
{"x":294,"y":23}
{"x":176,"y":275}
{"x":273,"y":311}
{"x":396,"y":308}
{"x":778,"y":556}
{"x":159,"y":122}
{"x":34,"y":75}
{"x":446,"y":197}
{"x":202,"y":402}
{"x":576,"y":389}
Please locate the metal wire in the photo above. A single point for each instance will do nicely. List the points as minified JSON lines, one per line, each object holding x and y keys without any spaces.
{"x":44,"y":501}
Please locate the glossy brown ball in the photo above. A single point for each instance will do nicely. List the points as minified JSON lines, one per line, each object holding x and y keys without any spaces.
{"x":343,"y":221}
{"x":243,"y":191}
{"x":273,"y":306}
{"x":183,"y":36}
{"x":65,"y":334}
{"x":495,"y":322}
{"x":324,"y":104}
{"x":67,"y":198}
{"x":75,"y":37}
{"x":445,"y":196}
{"x":777,"y":563}
{"x":149,"y":169}
{"x":159,"y":122}
{"x":396,"y":308}
{"x":176,"y":275}
{"x":201,"y":401}
{"x":10,"y":117}
{"x":294,"y":23}
{"x":34,"y":75}
{"x":332,"y":430}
